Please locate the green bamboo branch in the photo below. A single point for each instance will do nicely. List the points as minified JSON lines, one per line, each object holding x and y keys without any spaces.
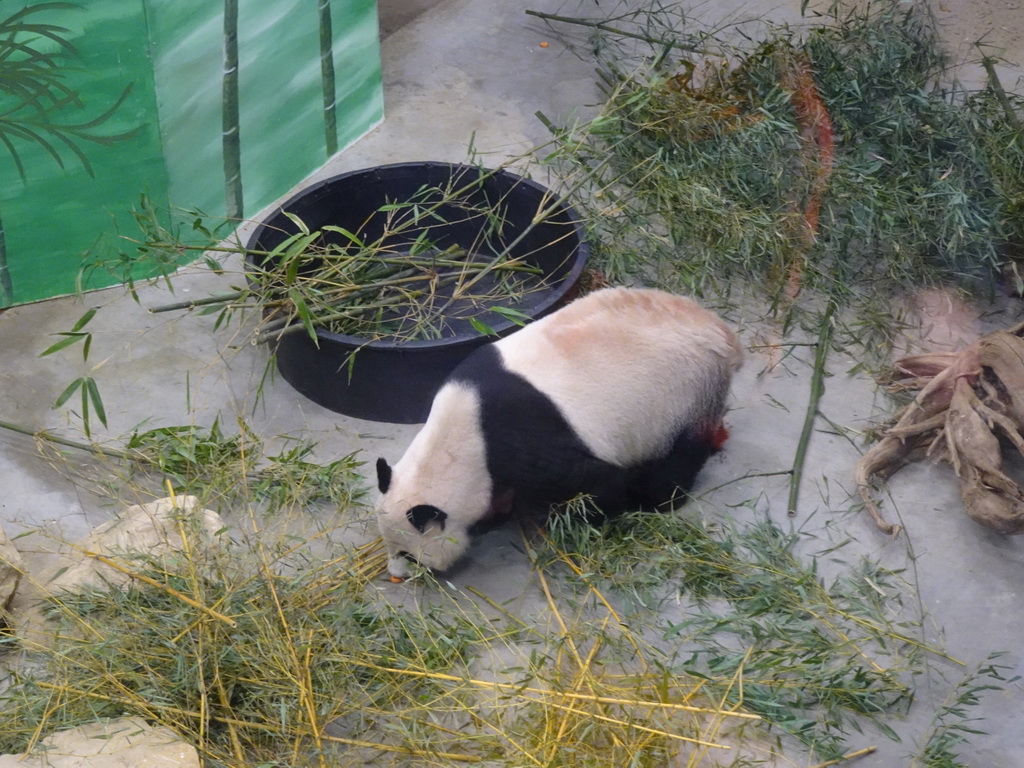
{"x":544,"y":214}
{"x":193,"y":303}
{"x":606,"y":27}
{"x":275,"y":329}
{"x":349,"y":293}
{"x":96,"y":450}
{"x":817,"y":390}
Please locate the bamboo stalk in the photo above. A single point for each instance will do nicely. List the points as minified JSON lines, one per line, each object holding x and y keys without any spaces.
{"x":606,"y":27}
{"x":997,"y":88}
{"x":462,"y":758}
{"x":42,"y":434}
{"x":225,"y":703}
{"x":635,"y":726}
{"x":308,"y":698}
{"x":848,"y":756}
{"x":811,"y":415}
{"x":608,"y":606}
{"x":193,"y":303}
{"x":126,"y":701}
{"x":697,"y":756}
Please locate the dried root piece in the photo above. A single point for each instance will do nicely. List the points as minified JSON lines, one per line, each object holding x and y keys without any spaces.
{"x":967,"y":400}
{"x":1002,"y":353}
{"x":923,"y":367}
{"x":884,"y":459}
{"x":990,"y":497}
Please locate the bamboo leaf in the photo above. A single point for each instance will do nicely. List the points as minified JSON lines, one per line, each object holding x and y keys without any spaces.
{"x":510,"y":313}
{"x":222,"y":318}
{"x":353,"y":238}
{"x":67,"y":341}
{"x":97,"y":401}
{"x":304,"y":314}
{"x":85,"y":411}
{"x":67,"y":393}
{"x":295,"y":256}
{"x":84,"y":319}
{"x":482,"y":327}
{"x":279,"y":252}
{"x":294,"y":219}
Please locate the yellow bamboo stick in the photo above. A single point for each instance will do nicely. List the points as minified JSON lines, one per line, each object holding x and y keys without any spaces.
{"x":716,"y":722}
{"x":222,"y":696}
{"x":548,"y":692}
{"x":634,"y":726}
{"x":847,"y":756}
{"x":403,"y":750}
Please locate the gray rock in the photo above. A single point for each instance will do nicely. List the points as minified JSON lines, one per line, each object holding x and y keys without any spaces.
{"x":11,"y":569}
{"x":128,"y":742}
{"x":145,"y":531}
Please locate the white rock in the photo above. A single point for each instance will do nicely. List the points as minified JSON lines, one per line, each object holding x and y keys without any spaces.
{"x":11,"y":569}
{"x":152,"y":530}
{"x":128,"y":742}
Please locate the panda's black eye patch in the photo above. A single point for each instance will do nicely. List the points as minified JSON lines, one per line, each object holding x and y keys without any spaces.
{"x":422,"y":514}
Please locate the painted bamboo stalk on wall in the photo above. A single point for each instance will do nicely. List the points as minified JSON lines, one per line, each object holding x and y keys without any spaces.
{"x":327,"y":77}
{"x":6,"y":284}
{"x":231,"y":131}
{"x":35,"y":95}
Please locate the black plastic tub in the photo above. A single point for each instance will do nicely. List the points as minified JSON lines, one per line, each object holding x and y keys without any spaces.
{"x":395,"y":381}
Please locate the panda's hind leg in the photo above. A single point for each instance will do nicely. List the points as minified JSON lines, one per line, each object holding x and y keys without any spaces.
{"x":610,"y":496}
{"x":661,"y":482}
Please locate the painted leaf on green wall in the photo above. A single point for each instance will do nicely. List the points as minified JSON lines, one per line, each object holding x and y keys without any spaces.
{"x":220,"y":107}
{"x":47,"y":122}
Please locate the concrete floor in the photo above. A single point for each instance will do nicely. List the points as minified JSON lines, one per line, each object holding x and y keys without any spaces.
{"x":458,"y":69}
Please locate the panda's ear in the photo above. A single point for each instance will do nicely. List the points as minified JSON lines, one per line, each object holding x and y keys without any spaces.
{"x":422,"y":514}
{"x":383,"y":475}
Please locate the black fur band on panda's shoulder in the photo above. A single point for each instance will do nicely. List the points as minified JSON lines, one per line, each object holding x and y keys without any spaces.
{"x":533,"y":449}
{"x":530,"y":445}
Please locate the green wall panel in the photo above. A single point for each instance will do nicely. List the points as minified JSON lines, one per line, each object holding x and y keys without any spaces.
{"x":170,"y":126}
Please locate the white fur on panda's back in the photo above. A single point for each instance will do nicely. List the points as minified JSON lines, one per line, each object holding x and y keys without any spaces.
{"x":628,"y":367}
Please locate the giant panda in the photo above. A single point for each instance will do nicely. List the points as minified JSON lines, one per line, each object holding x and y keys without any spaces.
{"x":619,"y":395}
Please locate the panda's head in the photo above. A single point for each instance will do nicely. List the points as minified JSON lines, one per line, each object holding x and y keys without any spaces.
{"x":414,"y":529}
